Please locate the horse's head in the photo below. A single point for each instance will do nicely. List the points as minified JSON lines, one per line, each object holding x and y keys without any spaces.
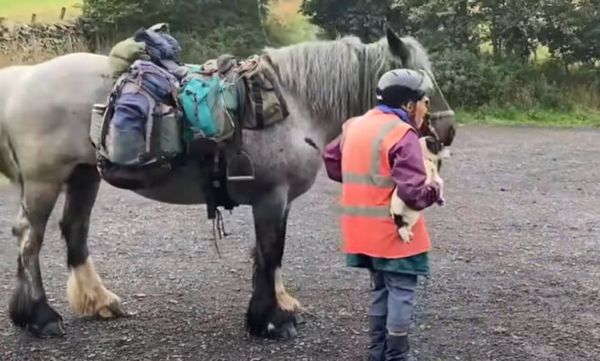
{"x":407,"y":52}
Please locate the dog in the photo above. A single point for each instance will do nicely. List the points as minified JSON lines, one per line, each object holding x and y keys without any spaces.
{"x":405,"y":217}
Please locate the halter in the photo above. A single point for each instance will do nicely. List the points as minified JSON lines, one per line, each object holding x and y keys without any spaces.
{"x":437,"y":115}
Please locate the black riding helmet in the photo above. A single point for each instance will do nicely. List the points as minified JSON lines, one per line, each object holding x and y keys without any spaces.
{"x":400,"y":86}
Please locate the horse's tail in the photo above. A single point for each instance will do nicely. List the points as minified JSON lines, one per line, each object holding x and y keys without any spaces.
{"x":9,"y":161}
{"x":8,"y":165}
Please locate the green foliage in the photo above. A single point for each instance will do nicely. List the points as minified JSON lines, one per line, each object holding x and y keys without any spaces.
{"x":572,"y":32}
{"x":468,"y":80}
{"x":455,"y":30}
{"x":197,"y":48}
{"x":203,"y":26}
{"x":435,"y":22}
{"x":285,"y":29}
{"x":515,"y":28}
{"x":503,"y":84}
{"x":365,"y":19}
{"x":472,"y":81}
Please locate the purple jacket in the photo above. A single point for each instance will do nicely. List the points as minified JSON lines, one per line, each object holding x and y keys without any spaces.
{"x":408,"y":170}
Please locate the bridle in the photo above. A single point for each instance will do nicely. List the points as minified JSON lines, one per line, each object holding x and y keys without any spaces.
{"x":431,"y":117}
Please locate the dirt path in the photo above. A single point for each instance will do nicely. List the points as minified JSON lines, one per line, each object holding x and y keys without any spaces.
{"x":516,"y":268}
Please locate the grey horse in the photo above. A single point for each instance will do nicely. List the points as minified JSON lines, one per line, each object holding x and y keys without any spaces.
{"x":45,"y":150}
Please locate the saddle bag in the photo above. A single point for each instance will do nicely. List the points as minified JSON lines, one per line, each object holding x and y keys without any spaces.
{"x":137,"y":134}
{"x":209,"y":105}
{"x":264,"y":98}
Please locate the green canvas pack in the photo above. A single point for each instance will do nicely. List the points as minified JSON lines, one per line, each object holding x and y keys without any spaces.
{"x":264,"y":98}
{"x":209,"y":105}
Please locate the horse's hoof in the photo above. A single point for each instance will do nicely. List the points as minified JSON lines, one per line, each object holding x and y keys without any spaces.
{"x":265,"y":321}
{"x":113,"y":310}
{"x":37,"y":317}
{"x":286,"y":331}
{"x":282,"y":326}
{"x":52,"y":329}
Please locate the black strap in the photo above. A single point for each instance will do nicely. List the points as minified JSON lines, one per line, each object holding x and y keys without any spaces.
{"x":258,"y":112}
{"x":210,"y":172}
{"x":238,"y":117}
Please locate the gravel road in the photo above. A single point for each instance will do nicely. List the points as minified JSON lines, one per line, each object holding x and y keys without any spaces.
{"x":516,"y":267}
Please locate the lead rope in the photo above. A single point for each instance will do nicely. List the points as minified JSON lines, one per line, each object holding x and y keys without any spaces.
{"x":219,"y":231}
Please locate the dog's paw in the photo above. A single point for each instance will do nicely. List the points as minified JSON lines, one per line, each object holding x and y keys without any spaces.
{"x":405,"y":235}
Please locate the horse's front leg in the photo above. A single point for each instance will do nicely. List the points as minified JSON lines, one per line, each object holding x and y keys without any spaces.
{"x":271,"y":310}
{"x":85,"y":291}
{"x":285,"y":301}
{"x":28,"y":306}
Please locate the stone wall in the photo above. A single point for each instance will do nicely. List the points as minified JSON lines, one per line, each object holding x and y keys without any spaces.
{"x":49,"y":38}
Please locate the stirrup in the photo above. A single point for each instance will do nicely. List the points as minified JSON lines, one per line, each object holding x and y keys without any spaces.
{"x":240,"y":168}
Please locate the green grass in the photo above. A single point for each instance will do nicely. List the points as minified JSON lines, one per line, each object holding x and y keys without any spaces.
{"x":46,"y":10}
{"x":530,"y":117}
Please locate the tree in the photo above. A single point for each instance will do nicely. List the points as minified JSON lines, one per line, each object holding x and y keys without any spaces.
{"x":365,"y":19}
{"x":513,"y":26}
{"x":207,"y":26}
{"x":572,"y":30}
{"x":435,"y":22}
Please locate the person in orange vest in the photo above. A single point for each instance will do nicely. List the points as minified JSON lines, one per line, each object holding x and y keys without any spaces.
{"x":375,"y":154}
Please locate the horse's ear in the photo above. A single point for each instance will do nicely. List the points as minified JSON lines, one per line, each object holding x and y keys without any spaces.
{"x":396,"y":45}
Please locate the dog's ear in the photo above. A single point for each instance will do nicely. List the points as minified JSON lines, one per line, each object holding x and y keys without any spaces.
{"x":434,"y":146}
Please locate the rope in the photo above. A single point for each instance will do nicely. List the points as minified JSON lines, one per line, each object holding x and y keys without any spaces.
{"x":218,"y":230}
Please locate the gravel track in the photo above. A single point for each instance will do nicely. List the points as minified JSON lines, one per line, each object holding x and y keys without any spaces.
{"x":516,"y":267}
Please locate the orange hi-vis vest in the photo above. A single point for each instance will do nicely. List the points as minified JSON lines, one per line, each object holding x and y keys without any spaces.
{"x":367,"y":188}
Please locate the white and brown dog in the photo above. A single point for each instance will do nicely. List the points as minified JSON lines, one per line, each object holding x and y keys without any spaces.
{"x":405,"y":217}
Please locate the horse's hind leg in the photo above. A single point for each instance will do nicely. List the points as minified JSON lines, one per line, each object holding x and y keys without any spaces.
{"x":266,"y":317}
{"x":29,"y":305}
{"x":85,"y":291}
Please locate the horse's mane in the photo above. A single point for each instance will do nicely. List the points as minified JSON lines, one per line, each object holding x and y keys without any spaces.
{"x":338,"y":77}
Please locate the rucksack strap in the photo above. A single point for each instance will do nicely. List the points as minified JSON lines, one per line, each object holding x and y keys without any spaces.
{"x":258,"y":112}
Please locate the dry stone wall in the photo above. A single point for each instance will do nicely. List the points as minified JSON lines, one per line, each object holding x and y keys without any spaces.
{"x":51,"y":38}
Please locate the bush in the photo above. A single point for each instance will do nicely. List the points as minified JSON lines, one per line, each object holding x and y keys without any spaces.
{"x":466,"y":79}
{"x":197,"y":48}
{"x":473,"y":80}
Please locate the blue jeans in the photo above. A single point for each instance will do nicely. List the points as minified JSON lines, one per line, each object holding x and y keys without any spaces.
{"x":392,"y":296}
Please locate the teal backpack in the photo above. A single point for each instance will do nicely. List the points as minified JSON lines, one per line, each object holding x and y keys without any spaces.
{"x":210,"y":105}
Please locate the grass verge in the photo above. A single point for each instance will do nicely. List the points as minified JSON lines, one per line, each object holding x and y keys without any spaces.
{"x":530,"y":117}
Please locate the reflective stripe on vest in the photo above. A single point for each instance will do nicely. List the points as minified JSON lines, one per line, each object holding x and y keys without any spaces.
{"x":368,"y":180}
{"x":375,"y":212}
